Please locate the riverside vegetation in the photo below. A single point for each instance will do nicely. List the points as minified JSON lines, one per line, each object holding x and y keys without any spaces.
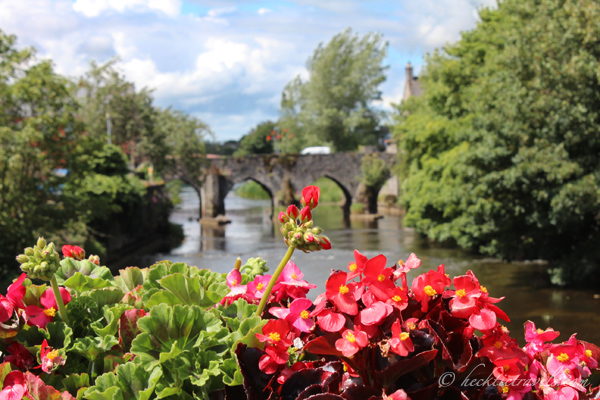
{"x":178,"y":332}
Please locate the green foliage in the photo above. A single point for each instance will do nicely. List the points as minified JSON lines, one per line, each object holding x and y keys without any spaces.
{"x":330,"y":191}
{"x":501,"y":151}
{"x":333,"y":106}
{"x":375,"y":171}
{"x":258,"y":141}
{"x":252,"y":190}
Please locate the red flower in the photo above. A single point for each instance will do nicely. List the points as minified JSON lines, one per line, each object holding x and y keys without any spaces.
{"x":465,"y":298}
{"x":325,"y":243}
{"x":427,"y":286}
{"x":357,"y":266}
{"x":340,"y":294}
{"x":310,"y":196}
{"x":351,"y":342}
{"x":377,"y":277}
{"x":275,"y":332}
{"x":14,"y":386}
{"x":400,"y":342}
{"x":19,"y":356}
{"x":305,"y":214}
{"x":40,"y":317}
{"x":292,"y":212}
{"x":283,"y":218}
{"x":75,"y":252}
{"x":50,"y":358}
{"x":13,"y":299}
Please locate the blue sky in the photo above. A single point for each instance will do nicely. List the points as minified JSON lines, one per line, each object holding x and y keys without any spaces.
{"x":227,"y":61}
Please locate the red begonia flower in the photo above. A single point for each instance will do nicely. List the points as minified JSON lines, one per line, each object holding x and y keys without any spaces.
{"x":40,"y":317}
{"x":400,"y":342}
{"x":357,"y":266}
{"x":340,"y":293}
{"x":351,"y":342}
{"x":14,"y":386}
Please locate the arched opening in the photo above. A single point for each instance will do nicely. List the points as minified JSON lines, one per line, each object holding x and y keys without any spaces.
{"x":252,"y":192}
{"x":333,"y":192}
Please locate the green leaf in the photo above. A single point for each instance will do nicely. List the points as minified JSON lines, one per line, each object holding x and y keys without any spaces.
{"x":70,"y":266}
{"x":106,"y":296}
{"x":105,"y":388}
{"x":236,"y":312}
{"x":81,"y":283}
{"x":206,"y":372}
{"x":109,"y":325}
{"x":82,"y":311}
{"x":232,"y":376}
{"x":59,"y":335}
{"x":74,"y":382}
{"x":168,"y":328}
{"x":92,"y":347}
{"x":130,"y":278}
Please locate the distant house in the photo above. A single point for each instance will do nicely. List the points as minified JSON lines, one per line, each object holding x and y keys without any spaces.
{"x":412,"y":86}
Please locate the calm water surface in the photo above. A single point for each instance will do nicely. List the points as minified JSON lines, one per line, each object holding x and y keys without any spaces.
{"x":251,"y":233}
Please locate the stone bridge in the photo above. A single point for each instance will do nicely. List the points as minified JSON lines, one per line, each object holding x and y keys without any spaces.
{"x":283,"y":175}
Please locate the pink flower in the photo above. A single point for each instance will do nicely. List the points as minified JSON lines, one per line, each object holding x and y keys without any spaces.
{"x":464,"y":301}
{"x":13,"y":299}
{"x":50,"y":358}
{"x":40,"y":317}
{"x":234,"y":281}
{"x":411,"y":263}
{"x":310,"y":196}
{"x":298,"y":314}
{"x":400,"y":342}
{"x":257,"y":287}
{"x":14,"y":386}
{"x":536,"y":338}
{"x":283,"y":218}
{"x":340,"y":293}
{"x":75,"y":252}
{"x":331,"y":321}
{"x":351,"y":342}
{"x":375,"y":313}
{"x":397,"y":395}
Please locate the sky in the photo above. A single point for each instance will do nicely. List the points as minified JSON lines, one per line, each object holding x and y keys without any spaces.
{"x":227,"y":61}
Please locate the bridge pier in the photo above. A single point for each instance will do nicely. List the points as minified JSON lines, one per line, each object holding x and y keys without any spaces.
{"x":213,"y":203}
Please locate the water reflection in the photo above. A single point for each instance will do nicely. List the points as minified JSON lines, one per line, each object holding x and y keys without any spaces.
{"x":252,"y":233}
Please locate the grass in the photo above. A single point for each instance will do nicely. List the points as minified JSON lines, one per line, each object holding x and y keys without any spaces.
{"x":330,"y":191}
{"x":252,"y":190}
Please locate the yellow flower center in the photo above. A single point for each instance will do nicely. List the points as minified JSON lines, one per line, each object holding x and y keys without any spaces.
{"x":344,"y":289}
{"x":483,"y":289}
{"x":401,"y":262}
{"x":274,"y":336}
{"x":588,"y":353}
{"x":294,"y":276}
{"x":304,"y":314}
{"x":539,"y":331}
{"x":260,"y":286}
{"x":404,"y":336}
{"x":352,"y":267}
{"x":567,"y":371}
{"x":506,"y":368}
{"x":505,"y":389}
{"x":563,"y":357}
{"x":429,"y":291}
{"x":498,"y":345}
{"x":381,"y":278}
{"x":350,"y":337}
{"x":411,"y":325}
{"x":234,"y":282}
{"x":397,"y":299}
{"x":52,"y":355}
{"x":51,"y":312}
{"x":461,"y":293}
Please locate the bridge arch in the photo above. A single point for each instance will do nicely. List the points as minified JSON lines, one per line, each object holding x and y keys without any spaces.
{"x":231,"y":183}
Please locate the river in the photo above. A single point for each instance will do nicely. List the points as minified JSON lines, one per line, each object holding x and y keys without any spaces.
{"x":252,"y":233}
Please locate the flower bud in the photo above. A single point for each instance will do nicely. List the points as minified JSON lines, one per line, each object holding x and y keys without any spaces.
{"x":317,"y":230}
{"x":22,"y":258}
{"x":292,"y":211}
{"x":29,"y":252}
{"x":325,"y":243}
{"x":310,"y":196}
{"x":41,"y":243}
{"x":94,"y":259}
{"x":308,"y":237}
{"x":305,"y":214}
{"x":37,"y":254}
{"x":283,"y":218}
{"x":308,"y":224}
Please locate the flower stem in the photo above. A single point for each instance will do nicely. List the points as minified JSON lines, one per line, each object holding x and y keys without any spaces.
{"x":265,"y":298}
{"x":59,"y":301}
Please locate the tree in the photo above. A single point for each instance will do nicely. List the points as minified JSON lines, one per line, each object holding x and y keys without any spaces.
{"x":258,"y":141}
{"x":333,"y":107}
{"x":501,"y":152}
{"x":104,"y":93}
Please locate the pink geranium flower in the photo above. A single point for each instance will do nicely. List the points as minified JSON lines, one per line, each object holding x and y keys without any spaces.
{"x":50,"y":358}
{"x":340,"y":293}
{"x":40,"y":317}
{"x":297,"y":315}
{"x":14,"y":386}
{"x":257,"y":287}
{"x":351,"y":342}
{"x":400,"y":342}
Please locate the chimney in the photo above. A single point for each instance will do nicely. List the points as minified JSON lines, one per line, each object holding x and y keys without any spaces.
{"x":409,"y":72}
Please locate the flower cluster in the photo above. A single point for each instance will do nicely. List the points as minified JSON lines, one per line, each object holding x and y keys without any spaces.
{"x":372,"y":335}
{"x":297,"y":226}
{"x":41,"y":261}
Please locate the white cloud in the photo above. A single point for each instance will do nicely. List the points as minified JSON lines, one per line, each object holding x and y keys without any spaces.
{"x":228,"y":64}
{"x":93,"y":8}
